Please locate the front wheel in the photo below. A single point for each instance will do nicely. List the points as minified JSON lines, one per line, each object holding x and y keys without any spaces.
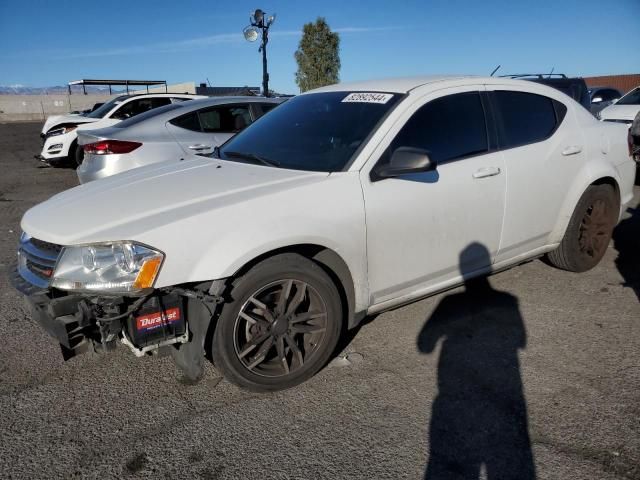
{"x":281,"y":325}
{"x":589,"y":231}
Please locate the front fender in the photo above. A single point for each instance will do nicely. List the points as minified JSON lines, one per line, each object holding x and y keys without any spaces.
{"x":328,"y":214}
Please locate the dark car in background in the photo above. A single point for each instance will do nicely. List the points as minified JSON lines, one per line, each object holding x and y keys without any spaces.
{"x":575,"y":87}
{"x":602,"y":97}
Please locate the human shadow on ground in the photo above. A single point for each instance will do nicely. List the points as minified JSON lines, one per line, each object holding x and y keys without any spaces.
{"x":479,"y":418}
{"x":626,"y":240}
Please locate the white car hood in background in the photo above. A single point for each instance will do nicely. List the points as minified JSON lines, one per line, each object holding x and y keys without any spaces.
{"x":620,"y":112}
{"x":54,"y":120}
{"x":129,"y":204}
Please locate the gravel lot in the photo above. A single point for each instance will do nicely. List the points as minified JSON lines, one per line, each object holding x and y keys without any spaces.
{"x":538,"y":377}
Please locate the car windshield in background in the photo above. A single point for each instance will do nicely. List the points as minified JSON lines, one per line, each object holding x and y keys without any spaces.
{"x":147,"y":115}
{"x":631,"y":98}
{"x":101,"y":111}
{"x":317,"y":132}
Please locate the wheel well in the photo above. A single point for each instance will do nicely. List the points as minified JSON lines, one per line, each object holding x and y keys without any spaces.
{"x":330,"y":262}
{"x":609,"y":181}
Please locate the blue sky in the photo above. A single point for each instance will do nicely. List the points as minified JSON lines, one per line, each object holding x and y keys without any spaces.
{"x":44,"y":43}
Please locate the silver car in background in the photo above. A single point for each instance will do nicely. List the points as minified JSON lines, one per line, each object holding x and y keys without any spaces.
{"x":167,"y":133}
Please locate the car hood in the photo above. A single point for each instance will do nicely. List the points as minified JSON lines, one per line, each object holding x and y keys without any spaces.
{"x":128,"y":205}
{"x":620,"y":112}
{"x":54,"y":120}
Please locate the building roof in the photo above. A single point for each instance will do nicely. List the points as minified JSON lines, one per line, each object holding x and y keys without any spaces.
{"x":624,"y":83}
{"x":86,"y":81}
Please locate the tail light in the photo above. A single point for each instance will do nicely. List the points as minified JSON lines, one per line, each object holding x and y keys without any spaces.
{"x":107,"y":147}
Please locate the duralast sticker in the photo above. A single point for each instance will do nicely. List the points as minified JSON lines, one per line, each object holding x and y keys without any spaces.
{"x":155,"y":320}
{"x":366,"y":97}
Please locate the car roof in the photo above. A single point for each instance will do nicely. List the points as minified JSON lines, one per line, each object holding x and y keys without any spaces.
{"x":151,"y":95}
{"x":391,"y":85}
{"x":407,"y":84}
{"x":187,"y":107}
{"x":184,"y":108}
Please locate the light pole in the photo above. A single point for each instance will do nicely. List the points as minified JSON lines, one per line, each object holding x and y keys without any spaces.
{"x":260,"y":22}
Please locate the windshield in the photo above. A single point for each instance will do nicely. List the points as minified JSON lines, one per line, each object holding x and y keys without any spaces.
{"x":318,"y":131}
{"x":101,"y":111}
{"x":631,"y":98}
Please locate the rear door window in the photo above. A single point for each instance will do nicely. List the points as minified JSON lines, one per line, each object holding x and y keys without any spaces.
{"x":525,"y":118}
{"x":225,"y":119}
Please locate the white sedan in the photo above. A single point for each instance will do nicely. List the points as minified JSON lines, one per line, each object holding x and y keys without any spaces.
{"x":167,"y":133}
{"x":341,"y":203}
{"x":60,"y":132}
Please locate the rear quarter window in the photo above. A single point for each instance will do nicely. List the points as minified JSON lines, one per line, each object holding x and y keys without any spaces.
{"x":189,"y":121}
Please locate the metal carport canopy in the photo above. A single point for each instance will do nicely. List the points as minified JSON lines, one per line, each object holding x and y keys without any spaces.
{"x":126,"y":83}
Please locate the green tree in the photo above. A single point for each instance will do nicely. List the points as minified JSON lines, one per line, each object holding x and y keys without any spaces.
{"x":318,"y":56}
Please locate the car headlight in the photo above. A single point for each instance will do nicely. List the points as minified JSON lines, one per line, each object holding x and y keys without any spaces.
{"x":61,"y":130}
{"x":118,"y":267}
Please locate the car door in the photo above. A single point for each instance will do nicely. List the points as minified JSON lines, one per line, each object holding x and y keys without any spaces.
{"x":542,"y":148}
{"x":418,"y":225}
{"x":202,"y":130}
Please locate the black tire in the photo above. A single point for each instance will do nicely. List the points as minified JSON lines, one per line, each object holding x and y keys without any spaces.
{"x":293,"y":356}
{"x":57,"y":162}
{"x":78,"y":154}
{"x":589,"y":231}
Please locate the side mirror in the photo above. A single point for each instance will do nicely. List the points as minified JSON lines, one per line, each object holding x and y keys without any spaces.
{"x":596,"y":100}
{"x":404,"y":160}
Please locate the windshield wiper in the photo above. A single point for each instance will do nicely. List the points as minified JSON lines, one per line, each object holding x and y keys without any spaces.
{"x":254,"y":157}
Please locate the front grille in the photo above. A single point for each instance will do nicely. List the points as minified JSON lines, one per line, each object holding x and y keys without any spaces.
{"x":37,"y":260}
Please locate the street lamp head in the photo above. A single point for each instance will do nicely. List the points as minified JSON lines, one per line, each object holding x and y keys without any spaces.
{"x":258,"y":17}
{"x":271,"y":19}
{"x":250,"y":33}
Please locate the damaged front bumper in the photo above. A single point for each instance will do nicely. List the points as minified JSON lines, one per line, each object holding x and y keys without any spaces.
{"x":82,"y":322}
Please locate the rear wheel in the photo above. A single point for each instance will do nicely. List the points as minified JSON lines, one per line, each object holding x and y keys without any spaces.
{"x":589,"y":231}
{"x":280,"y":327}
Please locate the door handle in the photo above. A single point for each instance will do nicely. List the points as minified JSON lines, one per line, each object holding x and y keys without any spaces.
{"x":487,"y":172}
{"x":572,"y":150}
{"x":199,"y":147}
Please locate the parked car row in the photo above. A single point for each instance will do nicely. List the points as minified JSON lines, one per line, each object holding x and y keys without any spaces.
{"x":340,"y":203}
{"x":60,"y":132}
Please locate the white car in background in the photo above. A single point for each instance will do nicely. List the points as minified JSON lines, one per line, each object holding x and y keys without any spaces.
{"x":167,"y":133}
{"x":343,"y":202}
{"x":60,"y":132}
{"x":624,"y":110}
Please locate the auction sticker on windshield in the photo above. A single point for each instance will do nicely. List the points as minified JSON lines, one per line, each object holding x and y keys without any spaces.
{"x":365,"y":97}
